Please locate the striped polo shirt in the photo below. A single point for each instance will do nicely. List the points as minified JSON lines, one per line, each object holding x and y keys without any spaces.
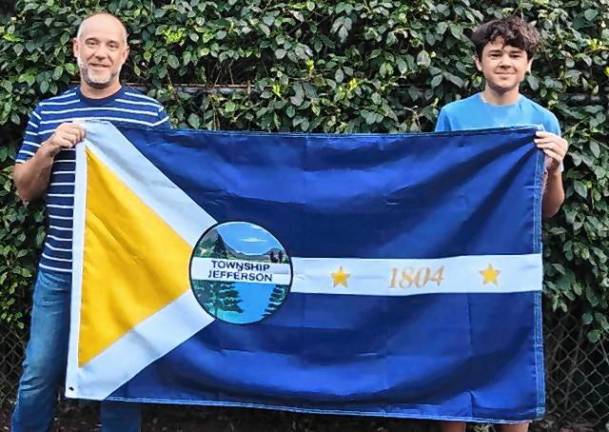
{"x":126,"y":107}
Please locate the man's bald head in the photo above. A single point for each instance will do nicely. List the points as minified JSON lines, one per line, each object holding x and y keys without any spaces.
{"x":101,"y":49}
{"x":101,"y":18}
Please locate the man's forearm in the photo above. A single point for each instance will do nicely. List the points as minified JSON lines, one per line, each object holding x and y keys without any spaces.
{"x":554,"y":194}
{"x":32,"y":177}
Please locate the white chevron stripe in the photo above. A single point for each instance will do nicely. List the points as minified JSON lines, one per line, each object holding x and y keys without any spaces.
{"x":148,"y":182}
{"x":145,"y":343}
{"x":180,"y":212}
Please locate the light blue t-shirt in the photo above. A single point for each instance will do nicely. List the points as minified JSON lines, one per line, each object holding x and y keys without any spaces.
{"x":475,"y":113}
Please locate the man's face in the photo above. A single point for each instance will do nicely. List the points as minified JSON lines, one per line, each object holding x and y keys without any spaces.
{"x":101,"y":51}
{"x":503,"y":66}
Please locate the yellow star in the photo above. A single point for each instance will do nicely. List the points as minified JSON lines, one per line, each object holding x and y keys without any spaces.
{"x":340,"y":277}
{"x":490,"y":275}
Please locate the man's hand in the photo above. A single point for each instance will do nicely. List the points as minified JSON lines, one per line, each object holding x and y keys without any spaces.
{"x":32,"y":177}
{"x":66,"y":136}
{"x":553,"y":146}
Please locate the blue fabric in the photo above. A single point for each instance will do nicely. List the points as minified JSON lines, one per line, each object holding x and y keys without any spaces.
{"x":385,"y":192}
{"x":45,"y":356}
{"x":45,"y":362}
{"x":414,"y":357}
{"x":474,"y":113}
{"x":127,"y":106}
{"x":449,"y":356}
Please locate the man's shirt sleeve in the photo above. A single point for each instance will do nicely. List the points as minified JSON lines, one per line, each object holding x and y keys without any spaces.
{"x":163,"y":119}
{"x":442,"y":124}
{"x":31,"y":139}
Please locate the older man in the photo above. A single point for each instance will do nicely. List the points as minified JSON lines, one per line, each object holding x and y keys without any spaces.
{"x":45,"y":168}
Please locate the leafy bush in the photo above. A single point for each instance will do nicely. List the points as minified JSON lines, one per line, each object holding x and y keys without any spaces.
{"x":327,"y":66}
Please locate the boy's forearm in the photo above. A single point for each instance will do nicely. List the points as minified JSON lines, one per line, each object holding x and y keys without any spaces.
{"x":554,"y":194}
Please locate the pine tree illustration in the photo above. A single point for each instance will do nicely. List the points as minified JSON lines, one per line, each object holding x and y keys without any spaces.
{"x":220,"y":250}
{"x":275,"y":299}
{"x":218,"y":296}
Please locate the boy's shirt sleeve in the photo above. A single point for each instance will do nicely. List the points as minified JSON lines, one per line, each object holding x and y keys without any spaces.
{"x":549,"y":123}
{"x":31,"y":140}
{"x":554,"y":126}
{"x":443,"y":123}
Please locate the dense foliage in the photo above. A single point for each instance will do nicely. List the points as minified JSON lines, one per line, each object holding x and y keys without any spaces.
{"x":331,"y":66}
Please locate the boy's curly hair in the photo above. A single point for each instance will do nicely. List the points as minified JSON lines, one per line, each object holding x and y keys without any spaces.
{"x":513,"y":30}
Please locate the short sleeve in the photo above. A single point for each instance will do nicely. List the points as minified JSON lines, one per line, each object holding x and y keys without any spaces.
{"x":31,"y":139}
{"x":442,"y":124}
{"x":551,"y":124}
{"x":163,"y":119}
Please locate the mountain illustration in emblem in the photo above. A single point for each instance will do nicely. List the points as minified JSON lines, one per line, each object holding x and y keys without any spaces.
{"x":240,"y":273}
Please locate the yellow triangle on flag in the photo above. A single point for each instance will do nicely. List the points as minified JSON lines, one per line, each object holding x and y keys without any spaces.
{"x":134,"y":262}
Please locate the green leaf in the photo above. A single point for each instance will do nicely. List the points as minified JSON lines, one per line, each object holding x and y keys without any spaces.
{"x":533,"y":82}
{"x":339,"y":75}
{"x":268,"y":20}
{"x":264,"y":29}
{"x":587,"y":318}
{"x":436,"y":81}
{"x":297,"y":99}
{"x":454,"y":79}
{"x":70,"y":68}
{"x":594,"y":336}
{"x":230,"y":107}
{"x":580,"y":188}
{"x":173,"y":61}
{"x":602,"y":320}
{"x":423,"y":59}
{"x":402,"y":65}
{"x":595,"y":148}
{"x":590,"y":14}
{"x":194,"y":121}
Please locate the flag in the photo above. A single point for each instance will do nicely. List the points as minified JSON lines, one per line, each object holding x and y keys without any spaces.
{"x":390,"y":275}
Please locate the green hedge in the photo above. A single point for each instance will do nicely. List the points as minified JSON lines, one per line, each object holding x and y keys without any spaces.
{"x":327,"y":66}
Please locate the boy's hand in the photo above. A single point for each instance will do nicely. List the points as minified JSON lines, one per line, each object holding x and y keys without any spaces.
{"x":553,"y":146}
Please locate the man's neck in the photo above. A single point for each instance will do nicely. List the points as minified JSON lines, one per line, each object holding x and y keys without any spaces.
{"x":99,"y":93}
{"x":494,"y":97}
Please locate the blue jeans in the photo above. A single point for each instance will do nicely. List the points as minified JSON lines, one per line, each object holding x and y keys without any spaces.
{"x":45,"y":363}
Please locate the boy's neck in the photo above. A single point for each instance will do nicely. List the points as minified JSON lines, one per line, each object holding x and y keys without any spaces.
{"x":494,"y":97}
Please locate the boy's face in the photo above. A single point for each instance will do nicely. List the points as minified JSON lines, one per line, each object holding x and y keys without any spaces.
{"x":503,"y":66}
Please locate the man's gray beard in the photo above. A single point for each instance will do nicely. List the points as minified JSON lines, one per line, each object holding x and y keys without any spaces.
{"x":90,"y":81}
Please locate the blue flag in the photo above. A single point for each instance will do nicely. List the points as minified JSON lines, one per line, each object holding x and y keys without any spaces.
{"x":382,"y":275}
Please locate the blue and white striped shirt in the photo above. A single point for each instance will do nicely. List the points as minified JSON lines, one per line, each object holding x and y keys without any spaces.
{"x":126,"y":107}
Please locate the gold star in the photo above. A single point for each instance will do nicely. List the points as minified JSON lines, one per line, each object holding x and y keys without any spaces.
{"x":490,"y":275}
{"x":340,"y":277}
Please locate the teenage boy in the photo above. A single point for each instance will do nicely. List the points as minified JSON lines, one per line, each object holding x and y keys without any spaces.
{"x":504,"y":54}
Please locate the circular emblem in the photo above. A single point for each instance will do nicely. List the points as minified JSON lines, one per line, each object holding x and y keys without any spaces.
{"x":240,"y":273}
